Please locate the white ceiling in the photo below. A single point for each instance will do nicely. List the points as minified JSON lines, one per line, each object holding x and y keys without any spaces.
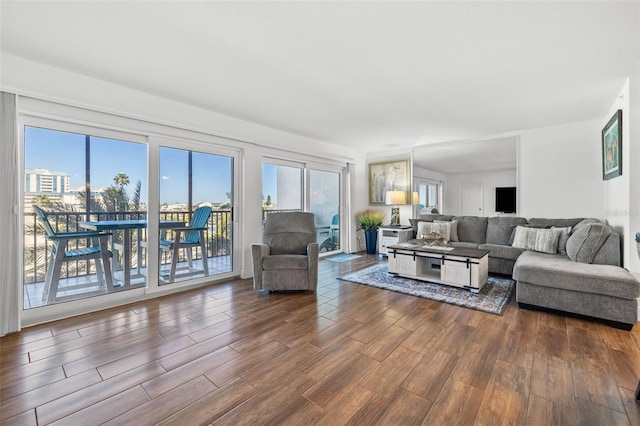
{"x":369,"y":75}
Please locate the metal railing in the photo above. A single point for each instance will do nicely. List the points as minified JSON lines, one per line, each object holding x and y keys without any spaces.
{"x":37,"y":248}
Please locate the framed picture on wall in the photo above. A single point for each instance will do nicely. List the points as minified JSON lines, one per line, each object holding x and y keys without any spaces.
{"x":612,"y":147}
{"x":387,"y":176}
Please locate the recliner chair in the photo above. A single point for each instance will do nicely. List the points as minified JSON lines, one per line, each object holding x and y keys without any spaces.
{"x":288,"y":257}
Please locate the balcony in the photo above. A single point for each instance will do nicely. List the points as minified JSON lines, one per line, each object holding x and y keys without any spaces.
{"x":79,"y":280}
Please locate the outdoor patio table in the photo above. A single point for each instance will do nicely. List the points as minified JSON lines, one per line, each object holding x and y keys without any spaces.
{"x":126,"y":226}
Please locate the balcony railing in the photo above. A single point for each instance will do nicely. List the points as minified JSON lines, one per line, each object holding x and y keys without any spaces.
{"x":37,"y":248}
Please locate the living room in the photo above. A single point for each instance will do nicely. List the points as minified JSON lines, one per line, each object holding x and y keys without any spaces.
{"x":115,"y":79}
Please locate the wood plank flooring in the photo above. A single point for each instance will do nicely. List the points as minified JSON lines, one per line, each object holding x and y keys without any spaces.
{"x":347,"y":354}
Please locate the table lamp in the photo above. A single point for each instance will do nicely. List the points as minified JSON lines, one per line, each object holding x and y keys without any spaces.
{"x":395,"y":198}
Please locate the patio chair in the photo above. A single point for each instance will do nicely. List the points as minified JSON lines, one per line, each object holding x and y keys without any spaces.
{"x":288,"y":257}
{"x":61,"y":254}
{"x":187,"y":237}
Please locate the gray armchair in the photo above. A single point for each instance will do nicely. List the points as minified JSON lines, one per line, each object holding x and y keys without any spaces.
{"x":288,"y":257}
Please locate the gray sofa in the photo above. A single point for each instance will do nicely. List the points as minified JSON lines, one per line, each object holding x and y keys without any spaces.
{"x":584,"y":277}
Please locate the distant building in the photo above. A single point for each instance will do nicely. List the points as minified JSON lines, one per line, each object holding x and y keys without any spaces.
{"x":53,"y":185}
{"x":45,"y":182}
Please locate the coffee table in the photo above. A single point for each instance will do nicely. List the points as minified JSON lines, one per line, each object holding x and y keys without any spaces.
{"x":455,"y":266}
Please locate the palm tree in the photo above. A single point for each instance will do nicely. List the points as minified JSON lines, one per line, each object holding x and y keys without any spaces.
{"x":135,"y":199}
{"x":122,"y":180}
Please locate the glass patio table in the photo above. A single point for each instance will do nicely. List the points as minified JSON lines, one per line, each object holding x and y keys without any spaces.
{"x":126,"y":226}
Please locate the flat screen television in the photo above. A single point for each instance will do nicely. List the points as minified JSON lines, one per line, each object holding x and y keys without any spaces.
{"x":506,"y":199}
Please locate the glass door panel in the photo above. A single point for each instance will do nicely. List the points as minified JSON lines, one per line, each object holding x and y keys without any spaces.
{"x":428,"y":197}
{"x":324,"y":203}
{"x":281,"y":188}
{"x":196,"y":191}
{"x":78,"y":180}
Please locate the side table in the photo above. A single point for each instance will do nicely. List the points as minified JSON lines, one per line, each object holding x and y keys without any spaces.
{"x":389,"y":235}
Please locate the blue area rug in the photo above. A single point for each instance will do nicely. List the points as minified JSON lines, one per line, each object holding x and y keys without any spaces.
{"x":341,"y":257}
{"x":493,"y":297}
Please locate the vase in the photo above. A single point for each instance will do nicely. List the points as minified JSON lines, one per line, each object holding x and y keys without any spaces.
{"x":371,"y":238}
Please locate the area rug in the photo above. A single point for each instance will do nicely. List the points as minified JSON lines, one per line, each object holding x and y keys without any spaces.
{"x":493,"y":297}
{"x":341,"y":257}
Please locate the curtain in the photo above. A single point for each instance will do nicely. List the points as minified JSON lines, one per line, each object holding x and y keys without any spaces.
{"x":10,"y":255}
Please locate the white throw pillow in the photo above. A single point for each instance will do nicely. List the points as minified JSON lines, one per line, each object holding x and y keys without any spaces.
{"x":537,"y":239}
{"x":443,"y":229}
{"x":454,"y":228}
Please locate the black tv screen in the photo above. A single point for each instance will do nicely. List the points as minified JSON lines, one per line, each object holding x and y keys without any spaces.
{"x":506,"y":199}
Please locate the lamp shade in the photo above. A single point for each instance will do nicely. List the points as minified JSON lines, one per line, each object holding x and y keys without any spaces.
{"x":416,"y":198}
{"x":395,"y":198}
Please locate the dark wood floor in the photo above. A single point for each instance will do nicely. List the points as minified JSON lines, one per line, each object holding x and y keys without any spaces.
{"x":348,"y":354}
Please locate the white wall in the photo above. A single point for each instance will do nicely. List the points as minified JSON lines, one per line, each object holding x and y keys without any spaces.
{"x":632,"y":262}
{"x":559,"y":171}
{"x":621,"y":199}
{"x":489,"y":180}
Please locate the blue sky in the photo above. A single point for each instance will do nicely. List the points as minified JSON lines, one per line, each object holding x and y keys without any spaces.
{"x":65,"y":152}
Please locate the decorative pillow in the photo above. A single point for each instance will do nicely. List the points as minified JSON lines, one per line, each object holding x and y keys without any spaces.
{"x":454,"y":228}
{"x":428,"y":229}
{"x":537,"y":239}
{"x":565,"y":231}
{"x":585,"y":242}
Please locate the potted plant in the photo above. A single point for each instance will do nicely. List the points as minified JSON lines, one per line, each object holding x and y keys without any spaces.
{"x":370,"y":220}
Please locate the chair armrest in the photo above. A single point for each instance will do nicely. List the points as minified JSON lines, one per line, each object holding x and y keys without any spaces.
{"x":185,"y":228}
{"x":69,"y":235}
{"x":258,"y":251}
{"x":313,"y":251}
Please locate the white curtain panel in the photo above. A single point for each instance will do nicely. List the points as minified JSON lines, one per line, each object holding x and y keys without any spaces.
{"x":10,"y":285}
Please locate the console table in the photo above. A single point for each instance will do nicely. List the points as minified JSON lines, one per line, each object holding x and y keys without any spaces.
{"x":459,"y":267}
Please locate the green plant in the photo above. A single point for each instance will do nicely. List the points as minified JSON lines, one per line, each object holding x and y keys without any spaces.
{"x":369,"y":219}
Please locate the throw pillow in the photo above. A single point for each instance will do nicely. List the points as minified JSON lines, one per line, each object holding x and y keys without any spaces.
{"x":454,"y":228}
{"x":564,"y":236}
{"x":427,"y":229}
{"x":537,"y":239}
{"x":586,"y":241}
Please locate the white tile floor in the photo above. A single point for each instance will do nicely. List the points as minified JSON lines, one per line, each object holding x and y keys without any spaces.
{"x":87,"y":286}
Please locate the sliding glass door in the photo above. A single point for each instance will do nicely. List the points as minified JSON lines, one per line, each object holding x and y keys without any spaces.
{"x":76,"y":176}
{"x":196,"y":214}
{"x":324,"y":203}
{"x":292,"y":186}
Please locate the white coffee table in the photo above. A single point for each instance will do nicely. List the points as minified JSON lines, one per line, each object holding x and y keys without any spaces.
{"x":455,"y":266}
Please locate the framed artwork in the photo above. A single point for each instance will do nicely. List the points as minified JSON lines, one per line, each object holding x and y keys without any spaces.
{"x":387,"y":176}
{"x":612,"y":147}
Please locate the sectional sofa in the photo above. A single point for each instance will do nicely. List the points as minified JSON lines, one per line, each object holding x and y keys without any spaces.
{"x":570,"y":265}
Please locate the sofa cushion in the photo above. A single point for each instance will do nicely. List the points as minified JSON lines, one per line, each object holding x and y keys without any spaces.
{"x":502,"y":251}
{"x":472,"y":229}
{"x":463,"y":244}
{"x":585,"y":242}
{"x":285,"y":261}
{"x":537,"y":239}
{"x":558,"y":271}
{"x":584,"y":222}
{"x":548,"y":223}
{"x":499,"y":229}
